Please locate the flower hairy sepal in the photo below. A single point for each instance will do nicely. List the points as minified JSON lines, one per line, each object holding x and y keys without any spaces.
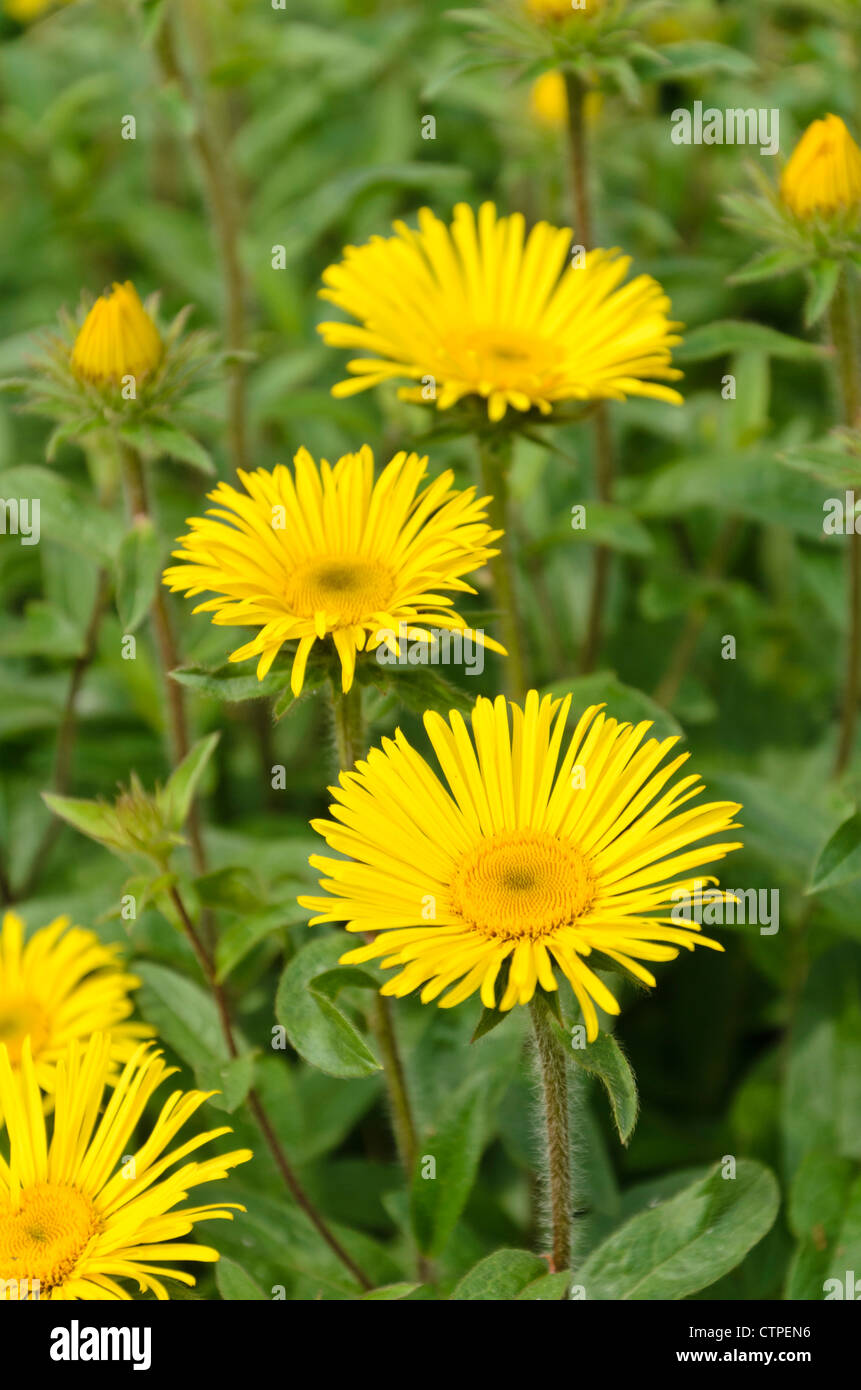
{"x":112,"y":368}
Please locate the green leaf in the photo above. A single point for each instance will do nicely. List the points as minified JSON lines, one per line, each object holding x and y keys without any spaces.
{"x":490,"y":1019}
{"x":455,"y":1144}
{"x":605,"y":524}
{"x":231,"y":1081}
{"x":550,"y":1288}
{"x":67,"y":516}
{"x":818,"y":1195}
{"x":750,"y":483}
{"x":93,"y":819}
{"x":824,"y":279}
{"x":605,"y":1059}
{"x":232,"y":682}
{"x":155,"y":439}
{"x":731,"y":335}
{"x":235,"y":1284}
{"x":500,"y":1276}
{"x":137,"y":573}
{"x":176,"y":796}
{"x":389,"y":1292}
{"x":237,"y":940}
{"x":822,"y":1089}
{"x":688,"y":1242}
{"x":316,"y":1027}
{"x":183,"y":1013}
{"x":622,"y":701}
{"x":828,"y":461}
{"x":770,"y":264}
{"x":840,"y":860}
{"x":417,"y":688}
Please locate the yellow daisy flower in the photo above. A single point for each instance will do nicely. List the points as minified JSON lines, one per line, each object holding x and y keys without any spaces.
{"x":335,"y":554}
{"x":823,"y":174}
{"x":26,"y":10}
{"x":84,"y":1207}
{"x":526,"y":863}
{"x":62,"y":984}
{"x":562,"y":9}
{"x":118,"y":338}
{"x":548,"y":101}
{"x":481,"y":309}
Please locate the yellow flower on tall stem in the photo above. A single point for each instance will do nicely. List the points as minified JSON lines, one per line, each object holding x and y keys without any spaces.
{"x":534,"y":857}
{"x":117,"y":339}
{"x":82,"y":1205}
{"x":62,"y":984}
{"x":823,"y":175}
{"x":517,"y":868}
{"x":331,"y":553}
{"x":483,"y":311}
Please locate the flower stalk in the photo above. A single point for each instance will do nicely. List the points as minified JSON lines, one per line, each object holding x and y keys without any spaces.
{"x":349,"y":743}
{"x":255,"y":1104}
{"x":845,"y":341}
{"x":552,"y":1065}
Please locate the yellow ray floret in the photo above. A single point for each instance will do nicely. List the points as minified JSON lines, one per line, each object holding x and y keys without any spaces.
{"x":82,"y":1205}
{"x":332,"y":553}
{"x":563,"y":9}
{"x":823,"y":174}
{"x":117,"y":339}
{"x":481,"y":309}
{"x":62,"y":984}
{"x":525,"y":859}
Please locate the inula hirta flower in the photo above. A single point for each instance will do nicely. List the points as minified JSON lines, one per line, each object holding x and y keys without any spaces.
{"x":86,"y":1206}
{"x":531,"y":858}
{"x":333,"y":554}
{"x":62,"y":984}
{"x":823,"y":174}
{"x":481,"y":309}
{"x":562,"y":9}
{"x":118,"y":339}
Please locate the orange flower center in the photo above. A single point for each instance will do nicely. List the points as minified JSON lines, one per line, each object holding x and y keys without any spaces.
{"x":43,"y":1238}
{"x":348,"y":589}
{"x":521,"y":884}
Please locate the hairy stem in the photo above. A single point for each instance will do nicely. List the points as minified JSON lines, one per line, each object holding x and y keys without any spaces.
{"x":495,"y":460}
{"x":208,"y":141}
{"x":578,"y":163}
{"x":255,"y":1104}
{"x":137,"y":497}
{"x":350,"y":745}
{"x":67,"y":731}
{"x":554,"y":1083}
{"x":845,"y":340}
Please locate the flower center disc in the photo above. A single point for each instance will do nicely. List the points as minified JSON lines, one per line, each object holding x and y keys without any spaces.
{"x":19,"y":1018}
{"x":348,"y":589}
{"x":506,"y":358}
{"x":521,"y":884}
{"x":43,"y":1239}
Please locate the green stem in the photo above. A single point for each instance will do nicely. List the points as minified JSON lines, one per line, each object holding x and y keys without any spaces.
{"x":255,"y":1103}
{"x":495,"y":459}
{"x":578,"y":163}
{"x":554,"y":1084}
{"x":350,"y":745}
{"x":137,"y":495}
{"x":845,"y":340}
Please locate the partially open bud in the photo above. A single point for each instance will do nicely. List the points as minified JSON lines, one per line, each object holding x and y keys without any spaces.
{"x":118,"y":339}
{"x":823,"y":175}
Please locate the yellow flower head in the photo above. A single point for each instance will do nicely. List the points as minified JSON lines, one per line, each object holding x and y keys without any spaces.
{"x":533,"y":857}
{"x":823,"y":174}
{"x":484,"y":310}
{"x":62,"y":984}
{"x":562,"y":9}
{"x":26,"y":10}
{"x":332,"y":553}
{"x":548,"y":101}
{"x":86,"y":1206}
{"x":117,"y":339}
